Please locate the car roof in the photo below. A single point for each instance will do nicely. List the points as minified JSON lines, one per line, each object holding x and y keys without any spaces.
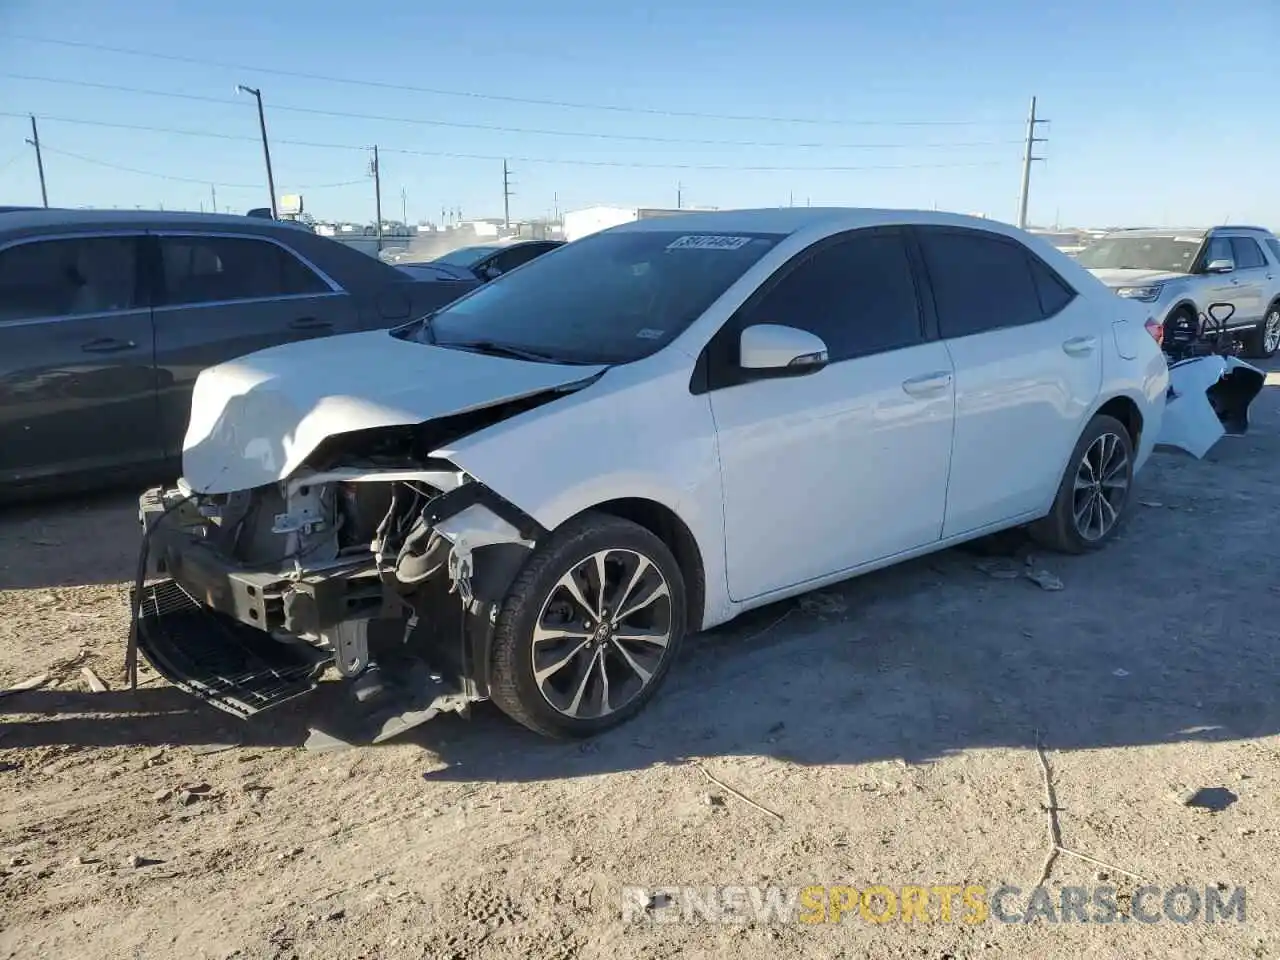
{"x":1198,"y":233}
{"x":789,"y":220}
{"x":38,"y":218}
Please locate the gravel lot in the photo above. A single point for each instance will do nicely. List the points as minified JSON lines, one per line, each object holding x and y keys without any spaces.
{"x":891,"y":726}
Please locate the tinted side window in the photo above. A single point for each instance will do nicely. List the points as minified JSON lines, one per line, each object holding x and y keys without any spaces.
{"x":1053,"y":290}
{"x":212,"y":269}
{"x":1219,"y":249}
{"x":58,"y":278}
{"x":1274,"y":244}
{"x":1247,"y":253}
{"x":857,"y":294}
{"x":980,"y":282}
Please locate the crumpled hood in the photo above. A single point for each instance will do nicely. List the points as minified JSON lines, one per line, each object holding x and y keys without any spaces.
{"x":1135,"y":278}
{"x":255,"y":419}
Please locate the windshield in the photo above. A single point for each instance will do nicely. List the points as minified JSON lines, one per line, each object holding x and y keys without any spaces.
{"x":1167,"y":254}
{"x":607,"y":298}
{"x":465,"y":256}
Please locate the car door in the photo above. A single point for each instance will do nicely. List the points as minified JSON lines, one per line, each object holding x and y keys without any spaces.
{"x":1220,"y":287}
{"x":1027,"y":353}
{"x":77,"y":382}
{"x":833,"y":469}
{"x":225,"y":295}
{"x":1251,"y":281}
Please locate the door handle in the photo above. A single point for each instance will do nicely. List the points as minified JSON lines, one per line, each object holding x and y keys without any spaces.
{"x":1080,"y":346}
{"x":311,"y":323}
{"x":928,"y":385}
{"x":108,"y":345}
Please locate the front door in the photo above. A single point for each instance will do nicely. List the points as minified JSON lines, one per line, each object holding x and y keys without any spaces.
{"x":833,"y":469}
{"x":77,"y":384}
{"x":1028,"y":359}
{"x":1252,"y":282}
{"x":223,"y":296}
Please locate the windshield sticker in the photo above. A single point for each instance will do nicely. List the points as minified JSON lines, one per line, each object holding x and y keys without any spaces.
{"x":1187,"y":239}
{"x":709,"y":242}
{"x":648,"y":333}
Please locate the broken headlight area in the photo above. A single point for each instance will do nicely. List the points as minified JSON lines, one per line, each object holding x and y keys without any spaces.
{"x":388,"y":573}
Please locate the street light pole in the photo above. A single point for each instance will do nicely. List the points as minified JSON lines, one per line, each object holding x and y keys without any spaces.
{"x":266,"y":150}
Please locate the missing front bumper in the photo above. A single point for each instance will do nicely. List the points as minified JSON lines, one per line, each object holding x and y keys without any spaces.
{"x":231,"y":666}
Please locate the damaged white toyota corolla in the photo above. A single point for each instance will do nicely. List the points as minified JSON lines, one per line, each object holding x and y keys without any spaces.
{"x":534,"y":494}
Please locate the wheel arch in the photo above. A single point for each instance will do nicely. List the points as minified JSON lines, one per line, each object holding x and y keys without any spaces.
{"x":665,"y":524}
{"x":1125,"y":409}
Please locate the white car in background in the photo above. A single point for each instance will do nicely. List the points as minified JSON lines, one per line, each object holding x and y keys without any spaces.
{"x":536,"y":493}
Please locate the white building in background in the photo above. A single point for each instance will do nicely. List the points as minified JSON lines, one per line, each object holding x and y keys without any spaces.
{"x":583,"y":223}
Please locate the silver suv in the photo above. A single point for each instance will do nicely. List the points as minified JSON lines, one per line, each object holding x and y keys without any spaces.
{"x":1181,"y":272}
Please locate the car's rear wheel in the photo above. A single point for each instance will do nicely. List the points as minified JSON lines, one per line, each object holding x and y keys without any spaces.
{"x":1264,"y":340}
{"x":589,"y":628}
{"x":1094,"y":491}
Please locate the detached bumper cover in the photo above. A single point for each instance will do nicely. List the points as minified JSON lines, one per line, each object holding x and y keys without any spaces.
{"x":1208,"y":398}
{"x":231,"y":666}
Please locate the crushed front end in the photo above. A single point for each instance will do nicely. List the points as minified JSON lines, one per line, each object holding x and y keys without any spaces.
{"x":387,"y":569}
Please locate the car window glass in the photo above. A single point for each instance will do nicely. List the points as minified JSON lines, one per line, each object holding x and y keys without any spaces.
{"x":214,"y":269}
{"x":57,"y":278}
{"x":857,"y":294}
{"x":1247,"y":253}
{"x":1274,"y":244}
{"x":1219,"y":249}
{"x":980,"y":282}
{"x":1052,"y":289}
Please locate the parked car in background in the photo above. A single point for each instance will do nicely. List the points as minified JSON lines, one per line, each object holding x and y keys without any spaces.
{"x":486,"y":262}
{"x":107,"y":317}
{"x":1180,"y":272}
{"x":534,"y":494}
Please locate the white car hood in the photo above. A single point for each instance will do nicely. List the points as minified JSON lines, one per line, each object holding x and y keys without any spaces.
{"x":255,"y":419}
{"x":1134,"y":278}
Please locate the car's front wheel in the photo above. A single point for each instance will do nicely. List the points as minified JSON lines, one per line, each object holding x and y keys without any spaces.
{"x":1264,"y":340}
{"x":589,"y":628}
{"x":1094,"y":490}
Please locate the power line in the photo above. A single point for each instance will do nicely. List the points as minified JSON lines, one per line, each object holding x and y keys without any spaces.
{"x":498,"y":128}
{"x":200,"y":180}
{"x":622,"y":164}
{"x":472,"y":95}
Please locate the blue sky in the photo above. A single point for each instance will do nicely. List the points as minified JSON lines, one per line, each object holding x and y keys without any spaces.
{"x":1162,"y":112}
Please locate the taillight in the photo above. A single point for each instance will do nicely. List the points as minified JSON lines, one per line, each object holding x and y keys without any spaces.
{"x":1155,"y":329}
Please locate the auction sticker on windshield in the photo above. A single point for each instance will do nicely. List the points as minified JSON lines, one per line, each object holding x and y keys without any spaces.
{"x":708,"y":242}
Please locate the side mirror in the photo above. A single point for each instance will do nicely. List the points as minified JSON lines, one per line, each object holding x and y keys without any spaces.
{"x":1220,"y":266}
{"x":771,"y":346}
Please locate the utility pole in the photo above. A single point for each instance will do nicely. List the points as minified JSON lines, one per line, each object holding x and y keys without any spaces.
{"x":679,"y":196}
{"x":377,"y":193}
{"x":404,"y":207}
{"x":266,"y":150}
{"x":35,"y":142}
{"x":213,"y":197}
{"x":1027,"y":157}
{"x":506,"y":195}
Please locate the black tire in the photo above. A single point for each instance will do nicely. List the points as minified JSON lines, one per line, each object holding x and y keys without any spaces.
{"x":1256,"y":344}
{"x":513,"y":685}
{"x":1059,"y":529}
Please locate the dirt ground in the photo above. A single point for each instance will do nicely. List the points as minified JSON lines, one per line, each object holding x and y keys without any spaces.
{"x":890,"y":725}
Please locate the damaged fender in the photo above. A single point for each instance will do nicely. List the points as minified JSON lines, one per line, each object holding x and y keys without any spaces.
{"x":1208,"y":398}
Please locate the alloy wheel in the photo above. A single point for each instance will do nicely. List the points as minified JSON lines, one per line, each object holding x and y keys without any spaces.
{"x":1271,"y":332}
{"x":602,"y":634}
{"x":1101,"y":487}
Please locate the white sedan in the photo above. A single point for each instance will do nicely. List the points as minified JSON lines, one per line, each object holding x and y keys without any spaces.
{"x":533,"y":495}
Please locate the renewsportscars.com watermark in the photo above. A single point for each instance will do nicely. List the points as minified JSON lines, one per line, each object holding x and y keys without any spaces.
{"x":969,"y":904}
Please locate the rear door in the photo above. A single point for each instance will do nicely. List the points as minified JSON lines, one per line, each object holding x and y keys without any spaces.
{"x":1027,"y":352}
{"x":224,"y":295}
{"x":77,"y":384}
